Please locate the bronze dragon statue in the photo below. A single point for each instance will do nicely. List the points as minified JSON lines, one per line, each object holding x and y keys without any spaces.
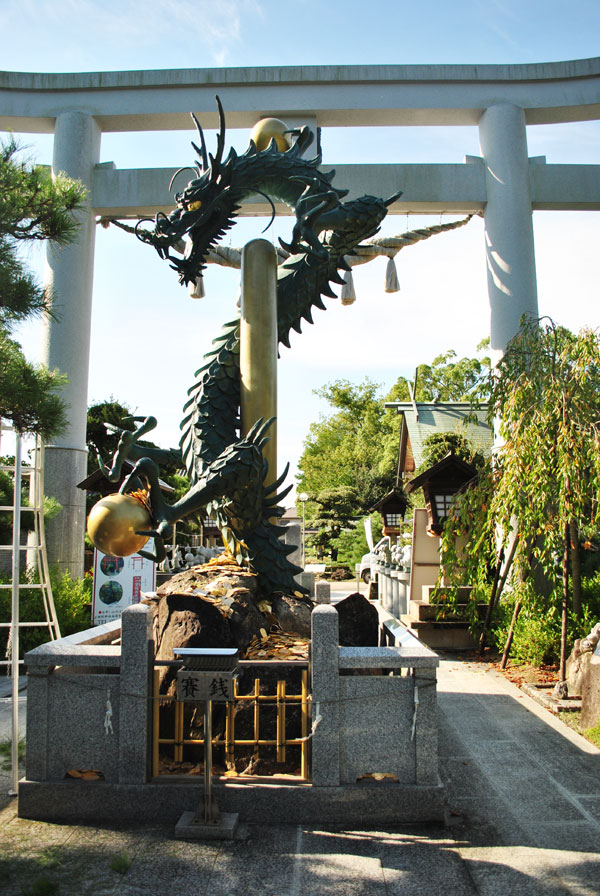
{"x":227,"y":470}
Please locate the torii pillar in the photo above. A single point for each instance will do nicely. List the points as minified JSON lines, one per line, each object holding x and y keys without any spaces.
{"x":509,"y":247}
{"x":66,"y":343}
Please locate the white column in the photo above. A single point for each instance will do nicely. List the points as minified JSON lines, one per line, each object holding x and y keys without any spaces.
{"x":66,"y":342}
{"x":508,"y":223}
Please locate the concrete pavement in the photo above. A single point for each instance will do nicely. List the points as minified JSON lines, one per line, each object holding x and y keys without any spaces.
{"x":524,"y":801}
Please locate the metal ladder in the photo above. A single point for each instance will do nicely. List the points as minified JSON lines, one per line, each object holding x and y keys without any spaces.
{"x":35,"y":547}
{"x":34,"y":471}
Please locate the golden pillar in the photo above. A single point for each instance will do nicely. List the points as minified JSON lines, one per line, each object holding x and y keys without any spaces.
{"x":258,"y":343}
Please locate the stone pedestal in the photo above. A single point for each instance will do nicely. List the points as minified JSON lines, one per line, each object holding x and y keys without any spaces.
{"x":590,"y":693}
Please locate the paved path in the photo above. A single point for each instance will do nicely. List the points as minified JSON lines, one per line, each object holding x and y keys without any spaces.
{"x":527,"y":786}
{"x":524,"y":794}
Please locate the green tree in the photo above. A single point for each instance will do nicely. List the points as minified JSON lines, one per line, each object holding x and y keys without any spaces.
{"x":352,"y":543}
{"x":33,"y":207}
{"x":445,"y":379}
{"x":544,"y":486}
{"x":357,"y":446}
{"x":354,"y":448}
{"x":437,"y":446}
{"x":104,"y":441}
{"x":334,"y":510}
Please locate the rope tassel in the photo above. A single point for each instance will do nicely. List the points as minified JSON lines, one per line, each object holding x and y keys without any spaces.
{"x":347,"y":295}
{"x":392,"y":283}
{"x":197,"y":290}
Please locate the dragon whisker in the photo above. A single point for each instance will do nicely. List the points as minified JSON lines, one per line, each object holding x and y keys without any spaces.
{"x":179,"y":170}
{"x":273,"y":212}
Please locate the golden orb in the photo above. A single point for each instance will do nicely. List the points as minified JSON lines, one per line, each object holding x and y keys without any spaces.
{"x":113,"y":523}
{"x":268,"y":128}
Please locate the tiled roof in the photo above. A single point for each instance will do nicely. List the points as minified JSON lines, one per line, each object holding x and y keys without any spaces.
{"x":443,"y":416}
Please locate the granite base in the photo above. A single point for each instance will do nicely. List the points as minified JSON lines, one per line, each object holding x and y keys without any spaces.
{"x":269,"y":801}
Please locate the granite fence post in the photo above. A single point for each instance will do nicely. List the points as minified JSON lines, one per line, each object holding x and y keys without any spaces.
{"x":293,"y":536}
{"x":135,"y":720}
{"x":307,"y":580}
{"x":325,"y":695}
{"x":426,"y":728}
{"x":37,"y":723}
{"x":395,"y":608}
{"x":403,"y":582}
{"x":322,"y":593}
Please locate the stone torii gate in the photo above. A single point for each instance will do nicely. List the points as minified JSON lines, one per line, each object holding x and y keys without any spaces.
{"x":505,"y":184}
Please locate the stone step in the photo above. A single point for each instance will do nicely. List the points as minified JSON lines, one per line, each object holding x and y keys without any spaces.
{"x":424,"y":611}
{"x":463,"y":593}
{"x":453,"y":635}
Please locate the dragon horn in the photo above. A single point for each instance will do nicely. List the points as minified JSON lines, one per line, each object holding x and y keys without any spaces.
{"x":185,"y":168}
{"x":201,"y":152}
{"x":216,"y":162}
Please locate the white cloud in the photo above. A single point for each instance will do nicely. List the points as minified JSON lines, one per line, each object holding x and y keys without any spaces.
{"x":116,"y":32}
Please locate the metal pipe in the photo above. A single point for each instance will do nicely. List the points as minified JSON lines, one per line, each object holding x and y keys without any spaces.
{"x":208,"y":807}
{"x":14,"y":632}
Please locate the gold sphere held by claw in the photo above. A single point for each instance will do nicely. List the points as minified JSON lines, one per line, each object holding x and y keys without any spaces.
{"x":268,"y":128}
{"x":113,"y":523}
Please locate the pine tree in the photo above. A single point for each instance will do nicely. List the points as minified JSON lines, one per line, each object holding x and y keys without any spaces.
{"x":34,"y":206}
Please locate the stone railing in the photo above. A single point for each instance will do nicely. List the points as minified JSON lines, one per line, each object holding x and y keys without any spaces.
{"x":374,"y":723}
{"x":374,"y":708}
{"x":88,"y":702}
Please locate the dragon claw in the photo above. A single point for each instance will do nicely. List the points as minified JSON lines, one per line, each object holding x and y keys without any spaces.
{"x":160,"y":552}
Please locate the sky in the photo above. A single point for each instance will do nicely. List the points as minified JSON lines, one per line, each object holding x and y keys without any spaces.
{"x":149,"y":337}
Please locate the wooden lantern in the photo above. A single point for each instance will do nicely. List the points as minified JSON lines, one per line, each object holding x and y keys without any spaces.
{"x":440,"y":483}
{"x":392,"y":508}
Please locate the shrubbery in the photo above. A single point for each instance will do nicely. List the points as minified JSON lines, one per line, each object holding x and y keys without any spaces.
{"x":537,"y":632}
{"x":72,"y":598}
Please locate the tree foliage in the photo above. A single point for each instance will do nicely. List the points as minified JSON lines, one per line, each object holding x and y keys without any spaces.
{"x":33,"y":207}
{"x":446,"y":379}
{"x":356,"y":447}
{"x":104,"y":442}
{"x":438,"y":445}
{"x":546,"y":474}
{"x":334,"y":510}
{"x":101,"y":440}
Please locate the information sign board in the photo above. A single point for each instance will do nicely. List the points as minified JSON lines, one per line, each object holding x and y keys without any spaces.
{"x":119,"y":583}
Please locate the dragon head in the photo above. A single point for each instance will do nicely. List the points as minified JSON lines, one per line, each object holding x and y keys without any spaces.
{"x":203,"y":213}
